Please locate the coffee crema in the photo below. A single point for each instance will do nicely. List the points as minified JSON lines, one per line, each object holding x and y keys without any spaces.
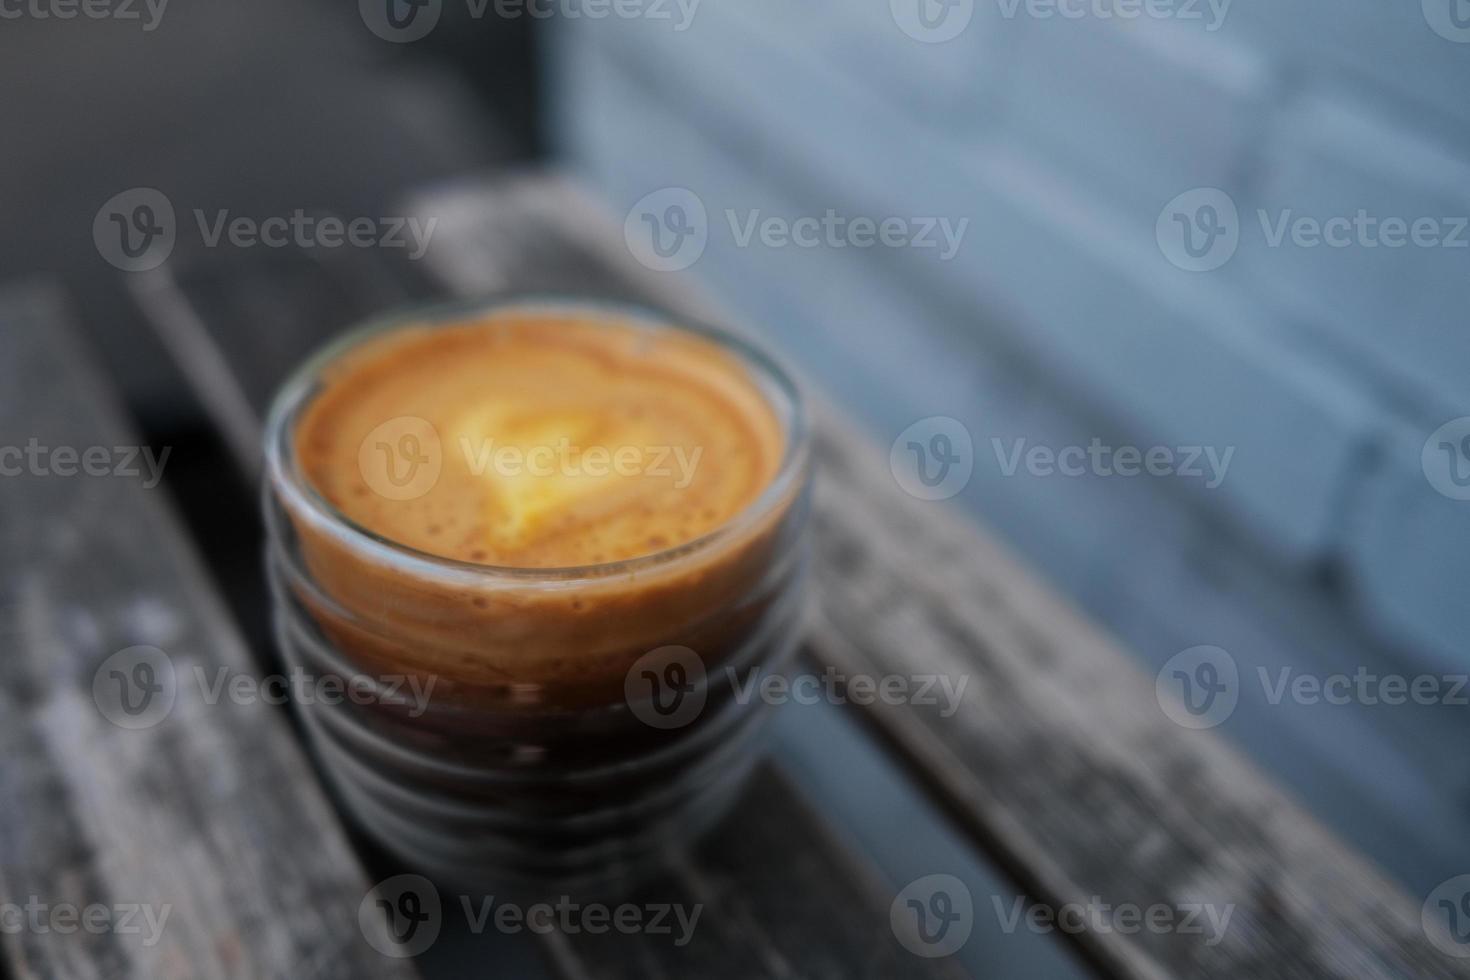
{"x":535,"y":497}
{"x":539,"y":441}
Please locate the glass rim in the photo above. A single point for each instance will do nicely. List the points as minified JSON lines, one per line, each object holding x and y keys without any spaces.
{"x":302,"y":498}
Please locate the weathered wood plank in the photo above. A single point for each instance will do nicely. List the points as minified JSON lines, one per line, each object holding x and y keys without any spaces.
{"x":781,"y":894}
{"x":284,"y":301}
{"x":780,"y":897}
{"x":213,"y":812}
{"x":1060,"y":763}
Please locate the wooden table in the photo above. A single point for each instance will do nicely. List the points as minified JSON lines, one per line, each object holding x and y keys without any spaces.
{"x":1059,"y":766}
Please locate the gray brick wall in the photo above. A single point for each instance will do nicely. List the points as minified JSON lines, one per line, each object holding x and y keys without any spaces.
{"x":1062,"y":317}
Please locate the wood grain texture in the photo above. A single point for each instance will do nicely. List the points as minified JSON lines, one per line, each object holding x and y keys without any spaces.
{"x":782,"y":894}
{"x":213,"y":813}
{"x":1061,"y":763}
{"x":781,"y":898}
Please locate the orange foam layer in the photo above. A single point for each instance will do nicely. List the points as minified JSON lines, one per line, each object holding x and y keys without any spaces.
{"x":539,"y":441}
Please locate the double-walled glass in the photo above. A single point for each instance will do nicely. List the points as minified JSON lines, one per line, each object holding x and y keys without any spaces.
{"x":532,"y":727}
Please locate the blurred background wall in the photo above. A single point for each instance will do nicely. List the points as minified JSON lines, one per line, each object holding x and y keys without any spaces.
{"x":1071,"y":313}
{"x":1099,"y":162}
{"x":258,"y":108}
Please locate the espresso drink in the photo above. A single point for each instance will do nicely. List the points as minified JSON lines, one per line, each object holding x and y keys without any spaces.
{"x":578,"y":531}
{"x":565,"y":443}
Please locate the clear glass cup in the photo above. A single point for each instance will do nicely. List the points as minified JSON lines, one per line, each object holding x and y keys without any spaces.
{"x":535,"y":729}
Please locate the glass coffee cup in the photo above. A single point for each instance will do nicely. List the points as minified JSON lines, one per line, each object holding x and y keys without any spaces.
{"x":532,"y":726}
